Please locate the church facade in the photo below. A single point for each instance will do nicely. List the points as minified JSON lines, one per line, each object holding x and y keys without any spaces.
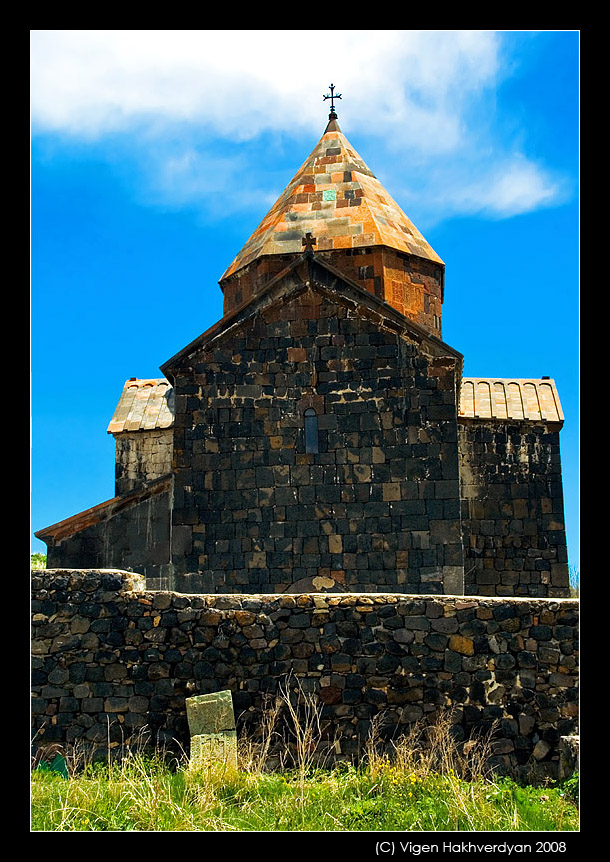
{"x":321,"y":437}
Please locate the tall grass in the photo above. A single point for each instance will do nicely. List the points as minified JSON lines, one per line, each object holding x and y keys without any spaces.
{"x":422,"y":781}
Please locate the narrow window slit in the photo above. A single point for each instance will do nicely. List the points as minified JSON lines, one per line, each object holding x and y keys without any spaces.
{"x":311,"y":431}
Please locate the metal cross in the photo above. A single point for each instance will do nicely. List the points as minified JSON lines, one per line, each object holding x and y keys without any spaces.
{"x":332,"y":98}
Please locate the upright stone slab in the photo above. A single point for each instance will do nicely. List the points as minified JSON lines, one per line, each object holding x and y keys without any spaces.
{"x":568,"y":756}
{"x":212,"y":729}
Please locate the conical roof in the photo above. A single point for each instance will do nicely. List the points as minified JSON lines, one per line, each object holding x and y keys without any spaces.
{"x":336,"y":197}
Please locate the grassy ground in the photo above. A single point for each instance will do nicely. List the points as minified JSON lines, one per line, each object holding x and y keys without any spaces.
{"x":144,"y":795}
{"x":431,"y":788}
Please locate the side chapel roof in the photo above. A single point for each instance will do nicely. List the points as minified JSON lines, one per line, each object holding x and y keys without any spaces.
{"x":507,"y":398}
{"x":145,"y":405}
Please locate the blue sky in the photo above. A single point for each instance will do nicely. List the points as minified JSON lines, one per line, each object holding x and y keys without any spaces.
{"x":155,"y":154}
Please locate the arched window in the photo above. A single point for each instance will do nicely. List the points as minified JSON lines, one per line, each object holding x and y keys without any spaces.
{"x":311,"y":431}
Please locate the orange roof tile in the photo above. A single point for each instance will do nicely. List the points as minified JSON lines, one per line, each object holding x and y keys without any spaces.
{"x":507,"y":398}
{"x":144,"y":405}
{"x":337,"y":198}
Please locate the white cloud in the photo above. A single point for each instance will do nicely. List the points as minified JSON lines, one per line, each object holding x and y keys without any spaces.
{"x":89,"y":82}
{"x":517,"y":187}
{"x":492,"y":187}
{"x":421,"y":95}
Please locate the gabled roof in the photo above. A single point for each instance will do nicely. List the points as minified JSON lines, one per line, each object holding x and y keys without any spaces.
{"x":336,"y":197}
{"x":509,"y":398}
{"x":309,"y":271}
{"x":144,"y":405}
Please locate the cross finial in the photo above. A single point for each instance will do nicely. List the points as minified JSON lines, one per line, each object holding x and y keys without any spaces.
{"x":332,"y":97}
{"x":308,"y":242}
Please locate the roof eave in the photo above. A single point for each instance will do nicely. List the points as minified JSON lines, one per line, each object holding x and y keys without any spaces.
{"x":96,"y":514}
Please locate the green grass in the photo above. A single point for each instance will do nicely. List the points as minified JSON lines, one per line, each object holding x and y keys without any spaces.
{"x":426,"y":782}
{"x":148,"y":794}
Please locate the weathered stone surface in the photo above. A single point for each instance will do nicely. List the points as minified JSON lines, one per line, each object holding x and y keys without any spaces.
{"x":210,"y":713}
{"x":541,"y":749}
{"x":511,"y":488}
{"x":340,"y":518}
{"x":569,"y":749}
{"x":362,"y":655}
{"x":214,"y":750}
{"x":461,"y":644}
{"x":141,"y":456}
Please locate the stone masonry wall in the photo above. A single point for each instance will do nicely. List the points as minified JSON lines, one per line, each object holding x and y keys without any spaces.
{"x":512,"y":509}
{"x":112,"y":661}
{"x":141,"y":457}
{"x":375,"y":509}
{"x":412,"y":285}
{"x":130,"y":533}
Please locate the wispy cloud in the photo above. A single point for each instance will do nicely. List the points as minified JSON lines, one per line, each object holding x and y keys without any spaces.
{"x":422,"y":97}
{"x":198,"y":177}
{"x":516,"y":187}
{"x":493,"y":188}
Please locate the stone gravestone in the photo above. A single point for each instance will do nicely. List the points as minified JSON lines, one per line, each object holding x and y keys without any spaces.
{"x":568,"y":756}
{"x":212,"y":729}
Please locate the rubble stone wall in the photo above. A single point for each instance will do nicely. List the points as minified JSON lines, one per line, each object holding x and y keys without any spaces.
{"x":112,"y":661}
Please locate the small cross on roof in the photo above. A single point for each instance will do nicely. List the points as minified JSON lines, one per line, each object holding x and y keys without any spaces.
{"x":308,"y":242}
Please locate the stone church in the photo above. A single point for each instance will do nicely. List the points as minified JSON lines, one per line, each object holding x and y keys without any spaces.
{"x":320,"y":436}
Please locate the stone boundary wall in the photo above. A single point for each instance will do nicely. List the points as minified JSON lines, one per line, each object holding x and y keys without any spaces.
{"x":113,"y":661}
